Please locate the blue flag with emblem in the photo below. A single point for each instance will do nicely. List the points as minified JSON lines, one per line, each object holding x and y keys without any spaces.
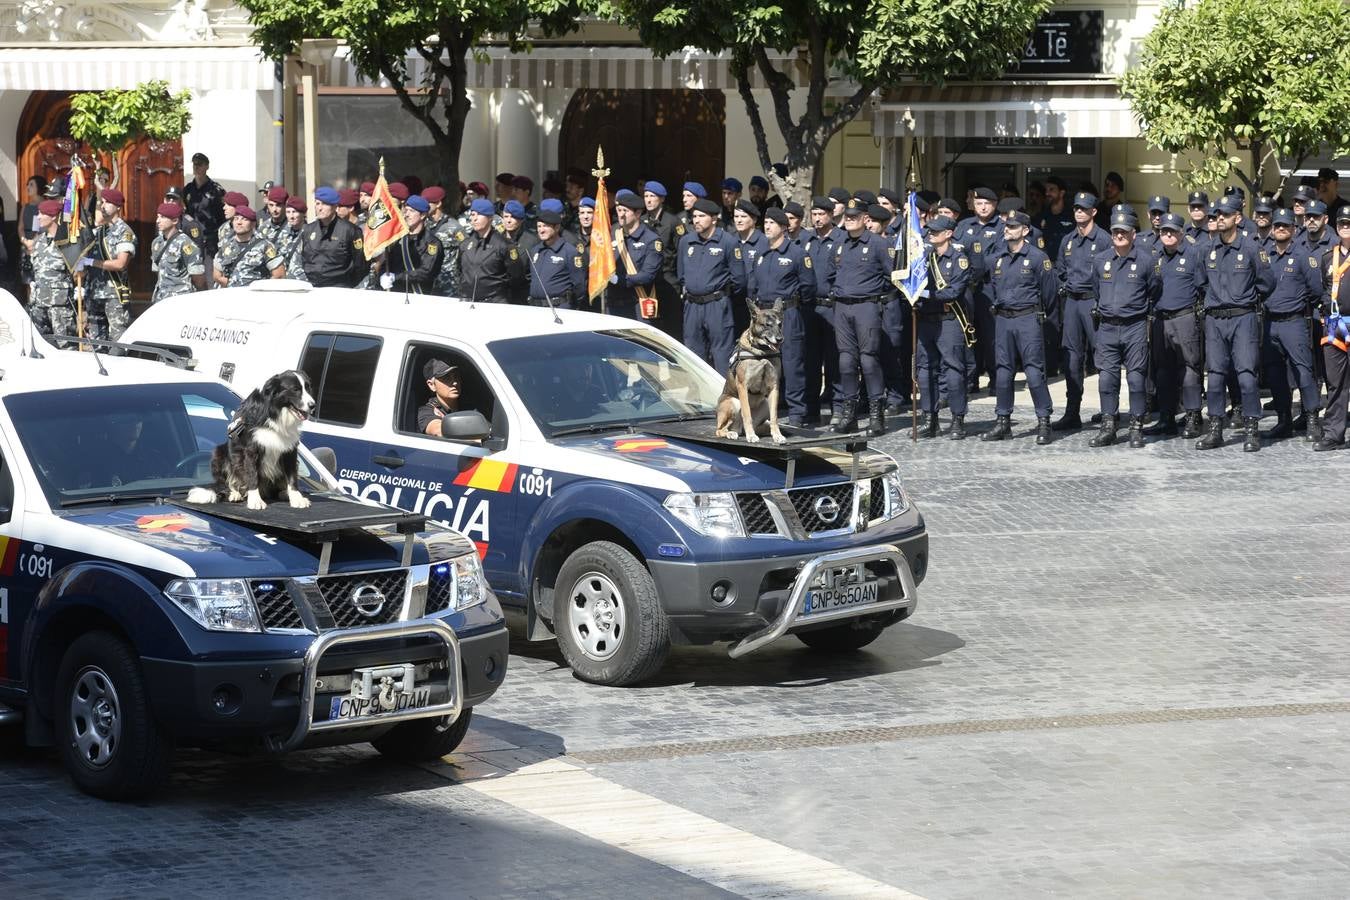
{"x":910,"y":246}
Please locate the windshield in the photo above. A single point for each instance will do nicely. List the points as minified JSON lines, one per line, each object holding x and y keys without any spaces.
{"x":599,"y":380}
{"x":123,"y":442}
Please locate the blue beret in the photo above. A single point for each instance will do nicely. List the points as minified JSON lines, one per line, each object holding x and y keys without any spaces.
{"x":551,"y":205}
{"x":759,"y":181}
{"x":483,"y":206}
{"x":419,"y":203}
{"x":587,"y":202}
{"x":514,"y":208}
{"x":326,"y":195}
{"x":731,"y":184}
{"x":655,"y":187}
{"x":696,"y":189}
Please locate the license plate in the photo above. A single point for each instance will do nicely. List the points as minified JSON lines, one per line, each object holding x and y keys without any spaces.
{"x":350,"y":708}
{"x":824,"y":600}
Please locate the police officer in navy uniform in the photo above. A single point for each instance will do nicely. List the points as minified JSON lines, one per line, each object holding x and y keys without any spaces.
{"x":745,"y":223}
{"x":1316,"y":235}
{"x":941,"y":340}
{"x":556,"y":275}
{"x":1263,"y":212}
{"x":980,"y":235}
{"x":668,"y":229}
{"x":691,"y":193}
{"x":1336,"y":301}
{"x":1056,"y":218}
{"x":1126,"y":286}
{"x":644,"y":248}
{"x":896,"y":342}
{"x":862,"y":282}
{"x":1287,"y":341}
{"x":710,"y":270}
{"x":821,"y":345}
{"x":1074,"y":275}
{"x":1023,"y":282}
{"x":1237,"y":276}
{"x":1197,"y":207}
{"x":783,"y":274}
{"x":488,"y":262}
{"x":332,"y":252}
{"x":1177,"y":334}
{"x":412,"y":263}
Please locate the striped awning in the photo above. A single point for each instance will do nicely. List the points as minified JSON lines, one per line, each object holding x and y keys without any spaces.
{"x":66,"y":68}
{"x":1045,"y":109}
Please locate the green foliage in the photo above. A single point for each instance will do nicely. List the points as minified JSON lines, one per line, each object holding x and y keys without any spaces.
{"x":109,"y":120}
{"x":1266,"y":76}
{"x":940,"y":40}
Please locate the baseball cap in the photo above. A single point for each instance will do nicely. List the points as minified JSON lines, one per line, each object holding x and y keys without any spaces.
{"x":1197,"y":198}
{"x":1016,"y":217}
{"x":438,"y":369}
{"x":1282,"y":216}
{"x":1315,"y":208}
{"x":1123,"y":220}
{"x":1228,"y":204}
{"x":1263,"y":205}
{"x":1084,"y":200}
{"x":1343,"y":214}
{"x":1159,"y":204}
{"x":1170,"y":221}
{"x":940,"y":223}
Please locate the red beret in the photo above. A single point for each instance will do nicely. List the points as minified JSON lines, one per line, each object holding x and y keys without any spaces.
{"x":246,"y":212}
{"x":114,"y":196}
{"x":278,"y":195}
{"x":367,"y":187}
{"x":399,"y":191}
{"x":524,"y":182}
{"x":478,"y":188}
{"x":348,"y":197}
{"x":413,"y":183}
{"x":51,"y":208}
{"x":234,"y":198}
{"x":169,"y":210}
{"x":297,"y":203}
{"x":434,"y":194}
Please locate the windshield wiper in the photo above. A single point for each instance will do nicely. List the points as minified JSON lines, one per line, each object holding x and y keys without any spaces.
{"x":682,"y":417}
{"x":115,"y":497}
{"x":593,"y":428}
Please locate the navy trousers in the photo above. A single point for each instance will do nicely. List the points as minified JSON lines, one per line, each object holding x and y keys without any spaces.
{"x":1232,"y":345}
{"x":1288,"y":361}
{"x":941,"y":361}
{"x":828,"y":347}
{"x":857,"y":328}
{"x":896,"y":350}
{"x":709,"y":332}
{"x":794,"y":360}
{"x":1178,"y":360}
{"x":1014,"y":338}
{"x":1119,"y":345}
{"x":1079,"y":342}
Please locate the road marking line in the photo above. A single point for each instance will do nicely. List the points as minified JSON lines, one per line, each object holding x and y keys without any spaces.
{"x":711,"y":851}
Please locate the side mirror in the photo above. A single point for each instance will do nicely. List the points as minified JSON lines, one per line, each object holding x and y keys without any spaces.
{"x":326,"y":458}
{"x":466,"y":425}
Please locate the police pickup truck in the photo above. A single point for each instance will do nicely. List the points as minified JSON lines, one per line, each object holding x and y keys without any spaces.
{"x":131,"y":622}
{"x":581,"y":461}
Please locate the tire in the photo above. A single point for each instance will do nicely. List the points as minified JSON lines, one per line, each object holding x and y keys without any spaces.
{"x":600,"y":588}
{"x":106,"y":734}
{"x":840,"y":638}
{"x":425,"y":739}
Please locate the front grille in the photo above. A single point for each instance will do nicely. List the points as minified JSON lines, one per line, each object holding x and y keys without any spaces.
{"x":804,"y":501}
{"x":755,"y":514}
{"x":339,"y":592}
{"x":275,"y":606}
{"x":440,"y":589}
{"x":877,"y":508}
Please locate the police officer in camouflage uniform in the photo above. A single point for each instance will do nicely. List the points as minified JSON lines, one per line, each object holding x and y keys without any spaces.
{"x":51,"y":307}
{"x":186,"y":224}
{"x":107,"y":291}
{"x":275,"y":223}
{"x":174,"y":256}
{"x":288,"y":241}
{"x":247,"y":256}
{"x":443,"y":229}
{"x":232,"y":201}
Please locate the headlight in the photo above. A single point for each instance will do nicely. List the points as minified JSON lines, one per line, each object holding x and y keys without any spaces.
{"x":714,"y":515}
{"x":897,"y":501}
{"x":216,"y":604}
{"x":470,"y":585}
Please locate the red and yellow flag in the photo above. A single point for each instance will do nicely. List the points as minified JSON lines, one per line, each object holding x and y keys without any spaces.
{"x":74,"y":199}
{"x":384,"y":222}
{"x":603,"y":265}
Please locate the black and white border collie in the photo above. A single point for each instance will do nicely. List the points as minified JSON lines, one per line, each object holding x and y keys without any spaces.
{"x":259,"y":461}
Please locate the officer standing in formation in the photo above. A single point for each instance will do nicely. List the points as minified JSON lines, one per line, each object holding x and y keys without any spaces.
{"x":488,"y":261}
{"x":331,"y":249}
{"x":821,"y":342}
{"x":412,"y":261}
{"x":861,"y":277}
{"x":1335,"y":339}
{"x":556,"y":274}
{"x":668,"y":229}
{"x":1287,"y":341}
{"x":1074,"y":272}
{"x":941,"y":339}
{"x":783,"y":275}
{"x":107,"y":289}
{"x":638,"y":258}
{"x":51,"y":307}
{"x":1178,"y":332}
{"x":711,"y":270}
{"x":247,"y":256}
{"x":203,"y":201}
{"x":174,"y":256}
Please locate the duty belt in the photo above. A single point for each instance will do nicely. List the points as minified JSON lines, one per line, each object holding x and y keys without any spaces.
{"x":1286,"y":316}
{"x":788,"y":302}
{"x":1229,"y":312}
{"x":876,"y":298}
{"x":1123,"y":320}
{"x":705,"y":298}
{"x":1079,"y":295}
{"x":947,"y":313}
{"x":1170,"y":314}
{"x":1005,"y":313}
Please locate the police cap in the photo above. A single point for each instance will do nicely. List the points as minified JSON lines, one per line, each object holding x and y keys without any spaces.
{"x":1084,"y":200}
{"x":879,"y":213}
{"x":1017,"y":217}
{"x":1159,"y":204}
{"x":173,"y":193}
{"x":747,"y":207}
{"x":1197,"y":198}
{"x":1282,"y":216}
{"x":1123,"y":221}
{"x":1263,"y":205}
{"x":707,"y":207}
{"x":437,"y":369}
{"x":1171,"y":221}
{"x":1228,"y":204}
{"x":985,"y":193}
{"x":628,"y":200}
{"x":775,"y":214}
{"x":1315,"y":208}
{"x":793,"y":208}
{"x":1304,"y":193}
{"x":1343,"y":214}
{"x":838,"y":195}
{"x":56,"y":189}
{"x":939,"y":223}
{"x":854,"y":207}
{"x":866,"y":197}
{"x":824,"y":204}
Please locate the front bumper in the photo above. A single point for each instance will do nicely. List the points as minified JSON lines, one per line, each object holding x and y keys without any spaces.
{"x":763,"y":592}
{"x":272,"y":701}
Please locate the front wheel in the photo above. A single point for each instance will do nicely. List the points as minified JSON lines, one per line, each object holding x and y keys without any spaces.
{"x":609,"y":621}
{"x":841,"y":638}
{"x":424,"y":740}
{"x":106,"y":734}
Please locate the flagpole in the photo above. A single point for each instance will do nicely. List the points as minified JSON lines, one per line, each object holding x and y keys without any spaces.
{"x":601,"y":196}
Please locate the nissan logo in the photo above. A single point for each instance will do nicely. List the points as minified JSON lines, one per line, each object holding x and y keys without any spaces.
{"x":368,"y":600}
{"x":826,"y":509}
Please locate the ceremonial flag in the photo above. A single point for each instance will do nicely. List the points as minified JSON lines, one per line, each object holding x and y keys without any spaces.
{"x":603,"y":265}
{"x":914,"y":274}
{"x":74,"y":200}
{"x":384,"y":222}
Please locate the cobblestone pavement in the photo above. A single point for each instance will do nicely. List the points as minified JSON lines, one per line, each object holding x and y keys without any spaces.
{"x":1127,"y":677}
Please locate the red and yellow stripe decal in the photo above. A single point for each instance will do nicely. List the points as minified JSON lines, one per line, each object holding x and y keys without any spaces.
{"x":489,"y":475}
{"x":640,"y":445}
{"x":9,"y":554}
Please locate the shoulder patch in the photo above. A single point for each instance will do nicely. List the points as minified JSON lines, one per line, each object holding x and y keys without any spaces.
{"x":1312,"y":261}
{"x":679,"y":229}
{"x":270,"y":251}
{"x":1191,"y":238}
{"x":1264,"y":257}
{"x":657,"y":246}
{"x":890,"y":251}
{"x":357,"y":244}
{"x":1040,"y":243}
{"x":977,"y":247}
{"x":187,"y":249}
{"x":433,"y":248}
{"x":738,"y":252}
{"x":514,"y":254}
{"x":963,"y":262}
{"x":806,"y":261}
{"x":576,"y":261}
{"x":1048,"y":265}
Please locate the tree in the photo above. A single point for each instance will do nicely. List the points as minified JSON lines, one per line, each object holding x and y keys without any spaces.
{"x":876,"y":43}
{"x":1264,"y":76}
{"x":109,"y":120}
{"x":380,"y":34}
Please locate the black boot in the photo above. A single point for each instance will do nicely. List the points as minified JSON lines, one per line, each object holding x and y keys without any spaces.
{"x":929,"y":427}
{"x":1315,"y":431}
{"x":877,"y":426}
{"x":1166,"y":425}
{"x":1215,"y":437}
{"x":1070,"y":421}
{"x":1284,"y":427}
{"x":1193,"y":426}
{"x":1043,"y":430}
{"x":1137,"y":430}
{"x":1002,"y":429}
{"x":1253,"y":441}
{"x":844,"y":418}
{"x":1096,"y":418}
{"x":1301,"y":422}
{"x":958,"y":432}
{"x":1328,"y":443}
{"x":1107,"y":435}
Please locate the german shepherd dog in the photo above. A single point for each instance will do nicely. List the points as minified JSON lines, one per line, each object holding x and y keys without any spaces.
{"x":751,"y":390}
{"x":258,"y":461}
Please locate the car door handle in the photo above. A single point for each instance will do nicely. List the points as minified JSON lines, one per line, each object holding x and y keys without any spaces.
{"x":392,"y":462}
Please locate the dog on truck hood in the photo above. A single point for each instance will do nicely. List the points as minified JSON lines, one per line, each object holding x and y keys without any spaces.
{"x":259,"y":461}
{"x":751,"y":390}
